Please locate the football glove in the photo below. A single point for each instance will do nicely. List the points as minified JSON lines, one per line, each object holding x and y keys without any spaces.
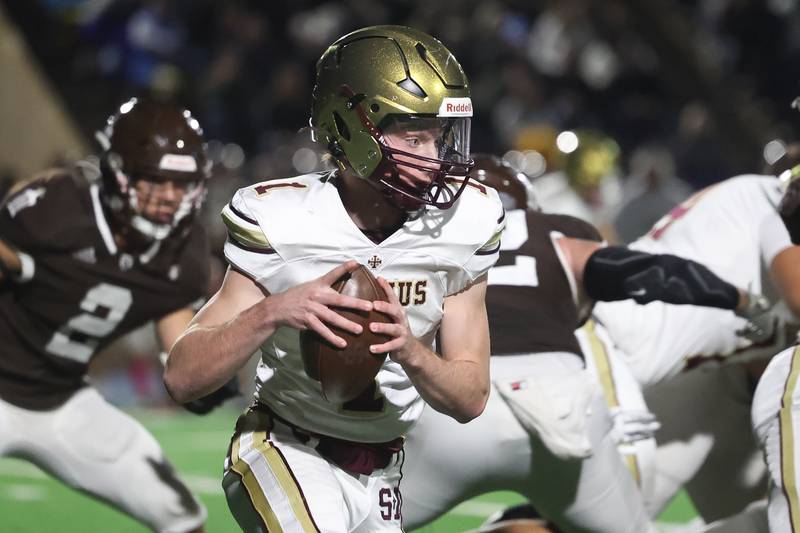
{"x":762,"y":323}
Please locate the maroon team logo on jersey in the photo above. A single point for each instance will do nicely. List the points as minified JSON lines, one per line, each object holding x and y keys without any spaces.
{"x":374,"y":262}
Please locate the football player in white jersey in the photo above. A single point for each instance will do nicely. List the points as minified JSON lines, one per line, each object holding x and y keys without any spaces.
{"x":535,"y":436}
{"x":705,"y":442}
{"x":392,"y":105}
{"x":776,"y":402}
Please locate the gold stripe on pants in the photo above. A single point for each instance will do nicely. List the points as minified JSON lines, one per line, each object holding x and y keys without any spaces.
{"x":606,"y":376}
{"x":787,"y":442}
{"x":276,"y":463}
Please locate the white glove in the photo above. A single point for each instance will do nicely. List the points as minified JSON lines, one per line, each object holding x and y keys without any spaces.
{"x":553,"y":408}
{"x":630,"y":426}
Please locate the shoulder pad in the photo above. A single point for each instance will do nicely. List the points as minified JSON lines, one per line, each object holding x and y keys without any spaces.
{"x":243,"y":228}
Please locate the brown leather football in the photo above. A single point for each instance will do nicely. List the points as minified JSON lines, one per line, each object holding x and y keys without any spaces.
{"x":344,"y":373}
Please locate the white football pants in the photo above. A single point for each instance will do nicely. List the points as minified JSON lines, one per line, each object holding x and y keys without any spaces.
{"x":448,"y":463}
{"x":97,"y":449}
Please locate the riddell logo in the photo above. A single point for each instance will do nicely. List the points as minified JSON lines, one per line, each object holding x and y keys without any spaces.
{"x":459,"y":108}
{"x":456,"y":107}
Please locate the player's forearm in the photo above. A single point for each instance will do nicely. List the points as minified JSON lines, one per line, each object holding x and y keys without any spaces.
{"x":457,"y":388}
{"x":206,"y":357}
{"x":618,"y":273}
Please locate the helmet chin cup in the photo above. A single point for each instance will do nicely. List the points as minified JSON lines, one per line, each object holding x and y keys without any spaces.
{"x":127,"y":210}
{"x":151,"y":230}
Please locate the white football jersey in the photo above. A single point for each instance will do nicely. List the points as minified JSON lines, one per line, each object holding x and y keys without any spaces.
{"x":285,"y":232}
{"x":734,"y":229}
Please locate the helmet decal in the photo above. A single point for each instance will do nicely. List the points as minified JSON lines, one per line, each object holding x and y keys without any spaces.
{"x":178,"y":163}
{"x":455,"y":107}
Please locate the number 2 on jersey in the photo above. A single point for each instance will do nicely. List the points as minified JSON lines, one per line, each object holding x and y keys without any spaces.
{"x":105,"y":306}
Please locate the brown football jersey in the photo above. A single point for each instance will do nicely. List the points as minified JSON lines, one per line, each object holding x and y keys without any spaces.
{"x":530,"y":303}
{"x":77,"y":292}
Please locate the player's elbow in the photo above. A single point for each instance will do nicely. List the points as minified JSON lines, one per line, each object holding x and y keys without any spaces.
{"x":175,"y":388}
{"x":178,"y":385}
{"x":473,"y":408}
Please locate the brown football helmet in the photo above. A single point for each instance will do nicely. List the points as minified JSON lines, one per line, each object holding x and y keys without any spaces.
{"x":156,"y":142}
{"x":513,"y":187}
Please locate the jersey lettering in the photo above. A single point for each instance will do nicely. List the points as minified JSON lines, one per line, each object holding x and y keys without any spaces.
{"x":391,"y":503}
{"x":419,"y":292}
{"x":410,"y":292}
{"x":105,"y":306}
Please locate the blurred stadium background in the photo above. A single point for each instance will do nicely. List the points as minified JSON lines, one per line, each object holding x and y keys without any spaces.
{"x":619,"y":108}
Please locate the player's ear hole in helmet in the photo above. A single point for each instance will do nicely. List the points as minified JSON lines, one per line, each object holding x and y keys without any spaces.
{"x":379,"y":84}
{"x":513,"y":187}
{"x":154,"y":166}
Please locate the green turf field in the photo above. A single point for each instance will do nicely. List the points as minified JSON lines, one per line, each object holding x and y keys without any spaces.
{"x":30,"y":502}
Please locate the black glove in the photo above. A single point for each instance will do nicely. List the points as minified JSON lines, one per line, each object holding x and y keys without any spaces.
{"x":207,"y":403}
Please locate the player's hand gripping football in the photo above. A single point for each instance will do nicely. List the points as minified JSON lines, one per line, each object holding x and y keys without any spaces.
{"x":308,"y":306}
{"x":402,"y":344}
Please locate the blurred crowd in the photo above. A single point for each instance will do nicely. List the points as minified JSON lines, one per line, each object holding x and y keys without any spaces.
{"x":673,"y":95}
{"x":617,"y":109}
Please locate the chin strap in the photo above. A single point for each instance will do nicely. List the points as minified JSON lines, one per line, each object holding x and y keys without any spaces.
{"x":192,"y":200}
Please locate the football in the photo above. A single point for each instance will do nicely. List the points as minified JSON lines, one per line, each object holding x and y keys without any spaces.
{"x":344,"y":373}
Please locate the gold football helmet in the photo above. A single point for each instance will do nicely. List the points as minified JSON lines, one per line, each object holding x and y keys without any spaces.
{"x":389,"y":76}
